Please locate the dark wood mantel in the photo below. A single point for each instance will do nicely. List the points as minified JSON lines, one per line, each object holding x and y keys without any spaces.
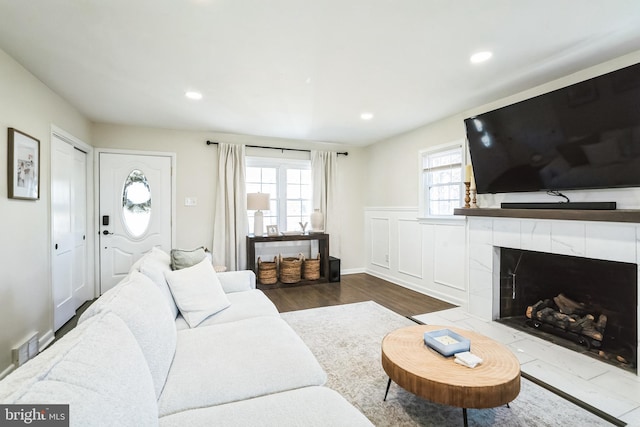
{"x":617,"y":215}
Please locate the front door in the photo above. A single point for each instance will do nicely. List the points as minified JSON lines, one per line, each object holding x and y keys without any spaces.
{"x":135,"y":211}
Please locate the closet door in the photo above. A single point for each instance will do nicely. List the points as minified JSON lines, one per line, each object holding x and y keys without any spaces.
{"x":81,"y":289}
{"x":68,"y":222}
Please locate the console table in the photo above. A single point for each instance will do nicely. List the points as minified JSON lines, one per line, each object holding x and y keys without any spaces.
{"x":323,"y":248}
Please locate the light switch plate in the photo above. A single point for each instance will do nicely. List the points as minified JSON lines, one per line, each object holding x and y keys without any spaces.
{"x":190,"y":201}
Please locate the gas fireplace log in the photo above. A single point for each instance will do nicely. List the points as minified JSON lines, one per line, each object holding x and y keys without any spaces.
{"x":585,"y":321}
{"x":609,"y":356}
{"x":533,"y":309}
{"x":554,"y":317}
{"x":602,"y":323}
{"x":585,"y":325}
{"x":568,"y":306}
{"x":592,"y":333}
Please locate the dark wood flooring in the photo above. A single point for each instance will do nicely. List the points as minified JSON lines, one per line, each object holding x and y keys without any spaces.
{"x":354,"y":288}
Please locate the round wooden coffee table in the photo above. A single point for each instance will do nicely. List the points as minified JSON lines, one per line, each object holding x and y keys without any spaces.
{"x":414,"y":366}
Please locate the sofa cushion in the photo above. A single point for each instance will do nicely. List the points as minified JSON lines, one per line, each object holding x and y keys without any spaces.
{"x":181,"y":258}
{"x":138,"y":302}
{"x":97,"y":368}
{"x":237,"y":281}
{"x":197,"y":292}
{"x":244,"y":305}
{"x":309,"y":407}
{"x":235,"y":361}
{"x":154,"y":265}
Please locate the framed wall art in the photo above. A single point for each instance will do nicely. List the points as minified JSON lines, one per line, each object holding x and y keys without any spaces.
{"x":24,"y":166}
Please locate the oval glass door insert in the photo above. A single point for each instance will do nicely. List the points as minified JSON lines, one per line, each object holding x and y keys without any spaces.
{"x":136,"y":203}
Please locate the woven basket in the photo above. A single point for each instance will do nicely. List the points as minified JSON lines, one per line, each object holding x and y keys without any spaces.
{"x":290,"y":269}
{"x":311,"y":268}
{"x":268,"y":272}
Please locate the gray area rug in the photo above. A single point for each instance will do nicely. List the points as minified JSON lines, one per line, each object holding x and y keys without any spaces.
{"x":346,"y":340}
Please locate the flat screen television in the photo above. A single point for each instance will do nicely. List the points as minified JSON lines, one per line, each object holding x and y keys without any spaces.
{"x":583,"y":136}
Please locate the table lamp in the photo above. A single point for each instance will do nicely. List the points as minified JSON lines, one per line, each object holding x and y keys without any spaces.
{"x":258,"y":202}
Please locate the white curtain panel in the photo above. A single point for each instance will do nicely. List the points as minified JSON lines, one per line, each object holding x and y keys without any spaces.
{"x":230,"y":225}
{"x":324,"y":169}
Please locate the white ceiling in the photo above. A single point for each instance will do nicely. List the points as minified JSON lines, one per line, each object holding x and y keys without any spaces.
{"x":305,"y":69}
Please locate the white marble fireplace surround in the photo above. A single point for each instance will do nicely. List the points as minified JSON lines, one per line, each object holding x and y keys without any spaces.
{"x":608,"y":388}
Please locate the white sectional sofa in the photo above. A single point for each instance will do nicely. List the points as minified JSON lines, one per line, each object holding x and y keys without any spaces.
{"x":140,"y":357}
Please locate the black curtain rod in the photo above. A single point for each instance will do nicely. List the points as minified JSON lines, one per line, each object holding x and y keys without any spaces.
{"x":344,"y":153}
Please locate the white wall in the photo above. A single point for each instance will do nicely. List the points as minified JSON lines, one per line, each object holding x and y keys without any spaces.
{"x":197,"y":173}
{"x":392,"y":193}
{"x":25,"y":290}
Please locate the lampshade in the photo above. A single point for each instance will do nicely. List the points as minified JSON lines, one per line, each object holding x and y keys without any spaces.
{"x":258,"y":201}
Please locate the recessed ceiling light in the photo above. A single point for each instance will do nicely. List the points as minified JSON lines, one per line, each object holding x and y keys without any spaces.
{"x":366,"y":116}
{"x":193,"y":95}
{"x":479,"y":57}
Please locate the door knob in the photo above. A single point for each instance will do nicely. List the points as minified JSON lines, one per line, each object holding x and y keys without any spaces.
{"x":105,"y":232}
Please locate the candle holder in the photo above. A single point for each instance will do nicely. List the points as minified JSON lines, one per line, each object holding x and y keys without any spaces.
{"x":474,"y":192}
{"x":467,"y":198}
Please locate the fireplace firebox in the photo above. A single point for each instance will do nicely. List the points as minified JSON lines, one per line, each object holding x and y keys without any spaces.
{"x":584,"y":304}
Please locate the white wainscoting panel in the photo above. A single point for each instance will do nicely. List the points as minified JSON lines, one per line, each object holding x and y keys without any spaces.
{"x":380,"y":242}
{"x":410,"y":252}
{"x":450,"y":256}
{"x":427,"y":256}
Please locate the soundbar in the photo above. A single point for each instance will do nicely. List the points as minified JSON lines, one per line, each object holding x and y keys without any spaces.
{"x":604,"y":206}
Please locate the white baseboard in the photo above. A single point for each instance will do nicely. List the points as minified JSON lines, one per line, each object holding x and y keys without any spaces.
{"x":352,"y":271}
{"x":7,"y":371}
{"x":413,"y":287}
{"x":46,"y":339}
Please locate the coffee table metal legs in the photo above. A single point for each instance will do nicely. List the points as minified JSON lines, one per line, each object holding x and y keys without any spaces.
{"x":387,"y":392}
{"x":464,"y":410}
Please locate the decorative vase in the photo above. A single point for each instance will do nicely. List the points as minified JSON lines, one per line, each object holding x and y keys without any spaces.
{"x":317,"y":220}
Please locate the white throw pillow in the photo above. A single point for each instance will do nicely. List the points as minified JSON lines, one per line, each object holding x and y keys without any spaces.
{"x":197,"y":292}
{"x":154,"y":269}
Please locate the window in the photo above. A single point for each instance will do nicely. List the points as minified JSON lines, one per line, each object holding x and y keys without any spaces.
{"x":136,"y":203}
{"x":288,"y":183}
{"x":441,"y":181}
